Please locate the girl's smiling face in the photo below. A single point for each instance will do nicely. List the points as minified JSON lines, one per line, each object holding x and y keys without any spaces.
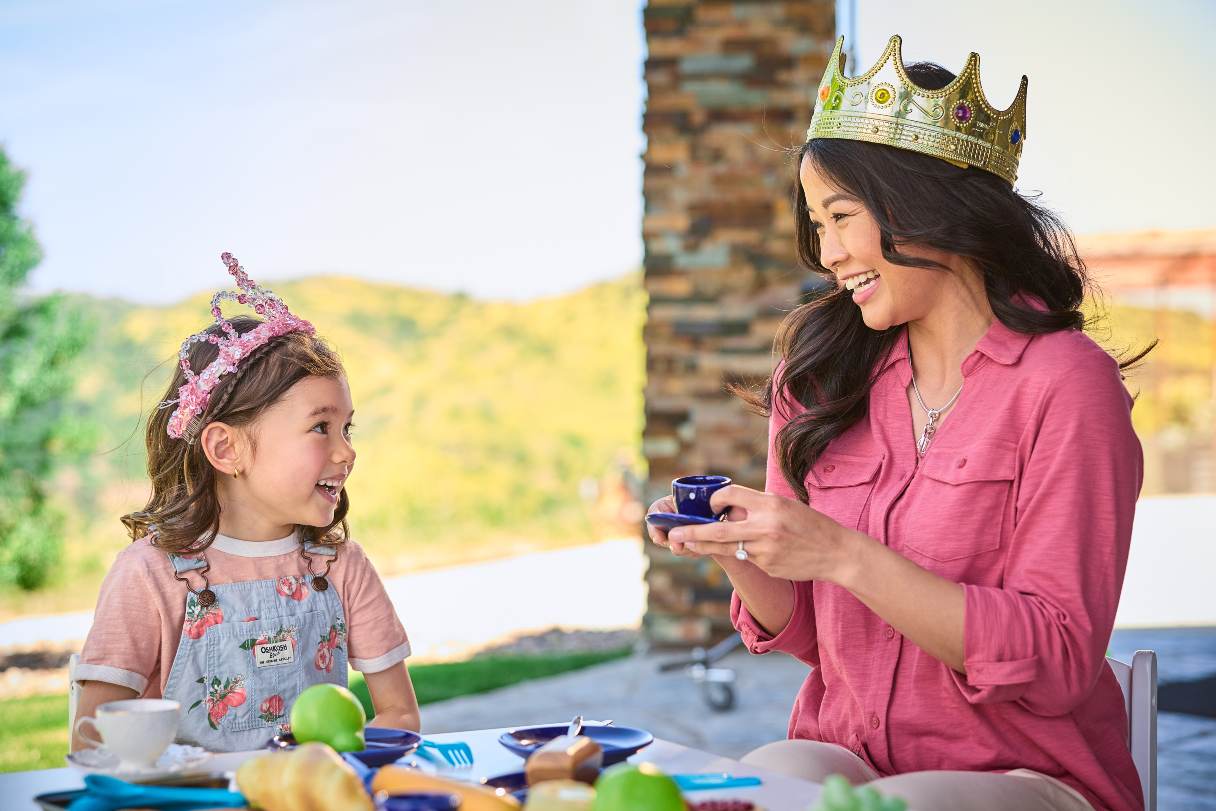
{"x":850,"y":246}
{"x":297,"y":458}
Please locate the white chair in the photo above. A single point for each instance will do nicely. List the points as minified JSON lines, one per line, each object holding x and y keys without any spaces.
{"x":1139,"y":684}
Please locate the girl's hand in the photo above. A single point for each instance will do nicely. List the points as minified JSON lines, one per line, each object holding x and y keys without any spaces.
{"x":783,"y":537}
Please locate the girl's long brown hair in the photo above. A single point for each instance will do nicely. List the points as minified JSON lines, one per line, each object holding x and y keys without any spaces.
{"x":183,"y":511}
{"x":830,"y":354}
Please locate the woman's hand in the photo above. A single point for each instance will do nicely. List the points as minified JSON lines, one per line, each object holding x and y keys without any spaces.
{"x":659,"y":536}
{"x":769,"y":599}
{"x":783,"y":537}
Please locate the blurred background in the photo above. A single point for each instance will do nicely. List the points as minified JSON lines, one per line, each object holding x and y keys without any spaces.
{"x":543,"y":235}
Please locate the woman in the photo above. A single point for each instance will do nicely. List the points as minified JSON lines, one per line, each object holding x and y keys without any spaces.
{"x":952,"y":469}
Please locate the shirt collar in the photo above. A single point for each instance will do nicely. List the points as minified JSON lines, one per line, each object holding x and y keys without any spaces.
{"x":255,"y":549}
{"x":1002,"y":344}
{"x":999,"y":343}
{"x":899,"y":350}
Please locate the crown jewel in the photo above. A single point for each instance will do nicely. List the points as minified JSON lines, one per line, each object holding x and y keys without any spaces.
{"x":195,"y":393}
{"x":955,"y":123}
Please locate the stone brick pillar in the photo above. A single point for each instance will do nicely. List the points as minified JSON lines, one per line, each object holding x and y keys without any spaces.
{"x":730,"y":88}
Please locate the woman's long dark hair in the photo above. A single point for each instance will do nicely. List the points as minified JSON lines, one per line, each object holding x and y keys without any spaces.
{"x":183,"y":511}
{"x":830,"y":355}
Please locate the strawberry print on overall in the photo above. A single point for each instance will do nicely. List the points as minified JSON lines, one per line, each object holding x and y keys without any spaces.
{"x":199,"y":619}
{"x":221,"y":697}
{"x":332,"y":640}
{"x":272,"y":709}
{"x":292,"y":587}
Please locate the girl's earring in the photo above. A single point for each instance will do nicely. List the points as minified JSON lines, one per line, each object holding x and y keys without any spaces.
{"x":236,"y":474}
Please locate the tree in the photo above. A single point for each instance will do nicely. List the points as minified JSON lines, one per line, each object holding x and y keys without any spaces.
{"x":39,"y":339}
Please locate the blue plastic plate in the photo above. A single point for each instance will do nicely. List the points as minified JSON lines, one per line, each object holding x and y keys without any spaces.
{"x":618,"y":743}
{"x":669,"y":520}
{"x":384,"y":745}
{"x":513,"y":783}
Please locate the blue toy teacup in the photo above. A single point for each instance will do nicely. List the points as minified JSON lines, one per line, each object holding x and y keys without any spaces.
{"x":692,"y":494}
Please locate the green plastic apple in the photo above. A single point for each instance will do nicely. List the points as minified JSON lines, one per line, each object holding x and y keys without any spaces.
{"x":625,"y":787}
{"x":329,"y":714}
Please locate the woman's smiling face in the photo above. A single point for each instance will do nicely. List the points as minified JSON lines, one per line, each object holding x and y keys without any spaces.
{"x":850,"y":246}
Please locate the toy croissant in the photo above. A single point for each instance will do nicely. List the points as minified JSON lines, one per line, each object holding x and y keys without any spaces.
{"x":311,"y":777}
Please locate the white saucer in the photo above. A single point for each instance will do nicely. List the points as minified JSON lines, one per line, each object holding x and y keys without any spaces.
{"x":177,"y":759}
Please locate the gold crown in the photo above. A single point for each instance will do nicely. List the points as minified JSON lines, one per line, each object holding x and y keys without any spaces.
{"x":956,"y":123}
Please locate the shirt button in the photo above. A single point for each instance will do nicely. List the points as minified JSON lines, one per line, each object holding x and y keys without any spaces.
{"x":890,"y":632}
{"x":828,"y":468}
{"x":961,"y":462}
{"x":874,"y":721}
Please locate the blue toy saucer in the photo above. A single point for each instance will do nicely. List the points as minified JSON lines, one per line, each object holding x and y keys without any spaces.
{"x":384,"y":745}
{"x":618,"y":743}
{"x":669,"y":520}
{"x":513,"y":783}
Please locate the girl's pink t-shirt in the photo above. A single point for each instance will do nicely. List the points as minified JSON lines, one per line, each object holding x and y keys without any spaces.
{"x":141,"y":608}
{"x":1025,"y":497}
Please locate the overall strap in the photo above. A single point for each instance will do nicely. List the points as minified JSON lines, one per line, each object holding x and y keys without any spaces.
{"x":186,"y":564}
{"x":181,"y":565}
{"x":314,"y":548}
{"x":320,"y":581}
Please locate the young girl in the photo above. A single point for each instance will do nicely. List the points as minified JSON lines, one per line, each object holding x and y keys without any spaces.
{"x":243,"y":543}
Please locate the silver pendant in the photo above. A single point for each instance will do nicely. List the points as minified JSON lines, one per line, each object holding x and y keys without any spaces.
{"x":927,"y":432}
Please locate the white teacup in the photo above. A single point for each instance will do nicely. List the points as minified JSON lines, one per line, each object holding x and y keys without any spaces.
{"x":137,"y":730}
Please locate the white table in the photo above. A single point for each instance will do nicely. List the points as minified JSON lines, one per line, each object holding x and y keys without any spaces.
{"x":777,"y":793}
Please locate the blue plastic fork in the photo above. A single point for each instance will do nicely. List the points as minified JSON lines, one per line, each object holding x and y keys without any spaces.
{"x":454,"y":754}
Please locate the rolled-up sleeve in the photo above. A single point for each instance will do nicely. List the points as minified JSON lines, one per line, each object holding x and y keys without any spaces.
{"x":1040,"y":638}
{"x":798,"y":638}
{"x":123,"y":645}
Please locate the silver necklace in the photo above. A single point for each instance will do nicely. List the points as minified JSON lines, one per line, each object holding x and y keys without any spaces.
{"x":934,"y":414}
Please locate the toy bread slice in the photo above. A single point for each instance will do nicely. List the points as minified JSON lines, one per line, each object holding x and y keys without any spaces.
{"x":565,"y":758}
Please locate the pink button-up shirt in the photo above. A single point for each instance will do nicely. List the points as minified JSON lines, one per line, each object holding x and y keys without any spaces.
{"x":1025,"y":497}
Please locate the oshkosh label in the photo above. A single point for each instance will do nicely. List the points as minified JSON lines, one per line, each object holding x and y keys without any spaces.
{"x":269,"y":654}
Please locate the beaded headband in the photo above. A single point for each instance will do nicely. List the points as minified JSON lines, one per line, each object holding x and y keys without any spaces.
{"x":194,"y":395}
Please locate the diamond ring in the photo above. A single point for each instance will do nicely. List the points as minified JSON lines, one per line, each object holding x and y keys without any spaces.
{"x":740,"y":552}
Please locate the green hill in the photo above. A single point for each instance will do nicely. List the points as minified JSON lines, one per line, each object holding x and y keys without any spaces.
{"x":476,"y":421}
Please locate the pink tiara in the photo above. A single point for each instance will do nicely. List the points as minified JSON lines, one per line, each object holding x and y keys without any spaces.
{"x":193,"y":396}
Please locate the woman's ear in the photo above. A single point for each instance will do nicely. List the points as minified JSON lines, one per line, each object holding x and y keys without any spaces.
{"x":223,"y":447}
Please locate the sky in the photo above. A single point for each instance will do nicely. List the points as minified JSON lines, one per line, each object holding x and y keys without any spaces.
{"x":494,"y":147}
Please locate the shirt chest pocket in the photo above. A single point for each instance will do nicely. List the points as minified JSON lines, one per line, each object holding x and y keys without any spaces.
{"x":961,"y":502}
{"x":840,"y":486}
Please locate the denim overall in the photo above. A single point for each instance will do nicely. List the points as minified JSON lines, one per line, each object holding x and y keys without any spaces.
{"x":243,"y":660}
